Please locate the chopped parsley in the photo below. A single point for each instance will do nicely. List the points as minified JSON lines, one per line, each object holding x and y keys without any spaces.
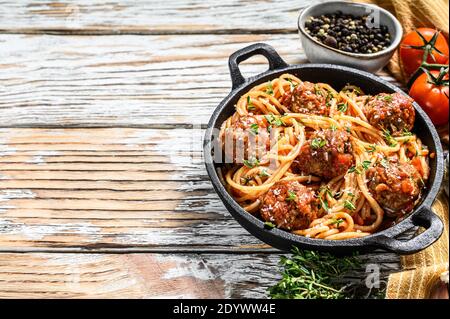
{"x":326,"y":190}
{"x":269,"y":90}
{"x":272,"y":119}
{"x":406,"y":132}
{"x":371,"y":149}
{"x":250,"y":163}
{"x":291,"y":196}
{"x":388,"y":98}
{"x":292,"y":84}
{"x":278,"y":122}
{"x":349,"y":205}
{"x":324,"y":204}
{"x":389,"y":139}
{"x":351,"y":194}
{"x":250,"y":106}
{"x":318,"y":143}
{"x":317,"y":90}
{"x":337,"y":222}
{"x":366,"y":164}
{"x":254,"y":128}
{"x":342,"y":107}
{"x":264,"y":173}
{"x":354,"y":169}
{"x":328,"y":99}
{"x":269,"y":225}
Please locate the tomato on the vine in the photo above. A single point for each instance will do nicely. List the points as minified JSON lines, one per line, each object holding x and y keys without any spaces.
{"x":419,"y":42}
{"x":430,"y":91}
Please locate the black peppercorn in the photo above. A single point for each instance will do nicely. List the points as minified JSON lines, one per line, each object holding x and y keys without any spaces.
{"x":330,"y":41}
{"x":348,"y":33}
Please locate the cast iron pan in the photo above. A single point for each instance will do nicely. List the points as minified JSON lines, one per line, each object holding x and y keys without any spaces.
{"x":336,"y":76}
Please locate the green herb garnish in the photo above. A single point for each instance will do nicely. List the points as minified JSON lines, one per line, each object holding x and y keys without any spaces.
{"x":313,"y":275}
{"x":318,"y":142}
{"x":333,"y":127}
{"x":337,"y":222}
{"x":366,"y":164}
{"x":371,"y":149}
{"x":269,"y":225}
{"x":250,"y":163}
{"x":317,"y":90}
{"x":264,"y":173}
{"x":291,"y":196}
{"x":406,"y":132}
{"x":325,"y":190}
{"x":354,"y":169}
{"x":292,"y":84}
{"x":388,"y":98}
{"x":278,"y":122}
{"x":324,"y":204}
{"x":269,"y":90}
{"x":254,"y":128}
{"x":250,"y":106}
{"x":272,"y":119}
{"x":349,"y":205}
{"x":389,"y":139}
{"x":342,"y":107}
{"x":328,"y":99}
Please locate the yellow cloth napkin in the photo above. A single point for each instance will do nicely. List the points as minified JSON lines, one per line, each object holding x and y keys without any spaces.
{"x":421,"y":270}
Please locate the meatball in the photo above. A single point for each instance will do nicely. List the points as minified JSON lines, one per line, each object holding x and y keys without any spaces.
{"x":395,"y":186}
{"x":289,"y":205}
{"x":392,"y":112}
{"x":303,"y":99}
{"x":326,"y":154}
{"x":246,"y":139}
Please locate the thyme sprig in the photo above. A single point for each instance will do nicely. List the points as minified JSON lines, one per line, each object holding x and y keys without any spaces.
{"x":314,"y":275}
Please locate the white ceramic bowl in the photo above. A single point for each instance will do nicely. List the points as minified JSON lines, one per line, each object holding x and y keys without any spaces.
{"x":318,"y":52}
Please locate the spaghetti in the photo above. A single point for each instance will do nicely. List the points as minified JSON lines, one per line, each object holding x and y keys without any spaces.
{"x":268,"y":139}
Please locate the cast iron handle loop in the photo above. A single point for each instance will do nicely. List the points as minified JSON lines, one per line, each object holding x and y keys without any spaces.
{"x":275,"y":61}
{"x":424,"y":218}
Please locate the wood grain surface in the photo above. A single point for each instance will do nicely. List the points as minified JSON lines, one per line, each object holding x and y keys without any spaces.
{"x":56,"y":275}
{"x":103,"y":192}
{"x":150,"y":17}
{"x":132,"y":81}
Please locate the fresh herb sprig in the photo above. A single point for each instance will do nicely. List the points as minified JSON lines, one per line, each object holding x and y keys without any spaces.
{"x":314,"y":275}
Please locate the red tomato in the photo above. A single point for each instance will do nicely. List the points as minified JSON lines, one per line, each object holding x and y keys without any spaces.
{"x":413,"y":46}
{"x":432,"y":97}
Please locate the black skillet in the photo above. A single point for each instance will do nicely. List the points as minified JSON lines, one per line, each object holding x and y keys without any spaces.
{"x":336,"y":76}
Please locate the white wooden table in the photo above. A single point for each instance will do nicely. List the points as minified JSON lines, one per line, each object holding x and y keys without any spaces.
{"x":102,"y":188}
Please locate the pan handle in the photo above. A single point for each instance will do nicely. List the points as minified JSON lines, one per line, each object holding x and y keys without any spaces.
{"x":425,"y":218}
{"x":275,"y":61}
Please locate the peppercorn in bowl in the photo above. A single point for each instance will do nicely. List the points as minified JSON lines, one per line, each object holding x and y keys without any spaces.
{"x":362,"y":36}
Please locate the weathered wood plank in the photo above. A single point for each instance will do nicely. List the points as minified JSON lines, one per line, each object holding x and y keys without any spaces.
{"x":139,"y":81}
{"x":136,"y":275}
{"x":150,"y":17}
{"x":45,"y":275}
{"x":49,"y":198}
